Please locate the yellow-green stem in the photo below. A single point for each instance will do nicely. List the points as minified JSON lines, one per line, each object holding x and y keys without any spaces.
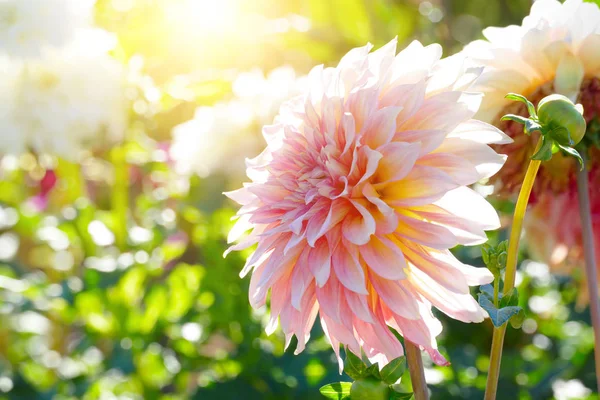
{"x":510,"y":273}
{"x":417,"y":373}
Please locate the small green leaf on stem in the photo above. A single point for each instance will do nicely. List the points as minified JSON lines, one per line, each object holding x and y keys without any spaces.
{"x":516,"y":118}
{"x":510,"y":299}
{"x":393,"y":370}
{"x":354,"y":367}
{"x":498,"y":316}
{"x":336,"y":391}
{"x":545,"y":152}
{"x":572,"y":152}
{"x":373,"y":371}
{"x":516,"y":321}
{"x":532,"y":126}
{"x":523,"y":99}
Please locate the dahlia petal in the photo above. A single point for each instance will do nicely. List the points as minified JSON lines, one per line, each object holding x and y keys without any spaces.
{"x":384,"y":258}
{"x":569,"y":76}
{"x":590,"y":59}
{"x":396,"y":296}
{"x":425,"y":233}
{"x":381,"y":127}
{"x":461,"y":170}
{"x":385,"y":217}
{"x":348,"y":269}
{"x":462,"y":307}
{"x":439,"y":267}
{"x":423,"y":185}
{"x":486,"y":161}
{"x":480,"y":132}
{"x":302,"y":277}
{"x":397,"y":160}
{"x":319,"y":261}
{"x":470,"y":206}
{"x":359,"y":306}
{"x":358,"y":226}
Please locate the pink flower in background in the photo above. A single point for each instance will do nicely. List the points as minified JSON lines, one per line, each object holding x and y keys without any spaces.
{"x":553,"y":229}
{"x":359,"y":195}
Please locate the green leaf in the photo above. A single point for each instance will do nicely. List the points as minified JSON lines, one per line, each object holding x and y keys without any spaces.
{"x":488,"y":291}
{"x":373,"y":371}
{"x":400,"y":396}
{"x":510,"y":299}
{"x":498,"y":316}
{"x":517,"y":320}
{"x":485,"y":253}
{"x":523,"y":99}
{"x":394,"y":370}
{"x":532,"y":126}
{"x":572,"y":152}
{"x":354,"y":367}
{"x":545,"y":152}
{"x":516,"y":118}
{"x":336,"y":391}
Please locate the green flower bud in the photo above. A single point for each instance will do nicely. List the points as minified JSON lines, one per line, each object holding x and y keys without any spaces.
{"x":562,"y":119}
{"x":369,"y":389}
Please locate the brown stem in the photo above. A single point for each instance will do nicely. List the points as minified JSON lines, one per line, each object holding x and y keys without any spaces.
{"x":417,"y":373}
{"x":590,"y":261}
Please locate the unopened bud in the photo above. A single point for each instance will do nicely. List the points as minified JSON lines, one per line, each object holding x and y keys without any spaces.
{"x":562,"y":119}
{"x":369,"y":389}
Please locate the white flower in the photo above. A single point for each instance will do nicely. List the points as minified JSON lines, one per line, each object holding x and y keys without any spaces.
{"x":28,"y":27}
{"x":556,"y":44}
{"x":220,"y":137}
{"x":70,"y":100}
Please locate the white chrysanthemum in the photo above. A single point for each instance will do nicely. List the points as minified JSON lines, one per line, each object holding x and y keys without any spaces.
{"x":220,"y":137}
{"x":72,"y":99}
{"x":28,"y":27}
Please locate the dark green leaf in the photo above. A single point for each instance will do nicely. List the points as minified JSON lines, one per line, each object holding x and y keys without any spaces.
{"x":498,"y":316}
{"x":516,"y":118}
{"x":523,"y":99}
{"x":354,"y":366}
{"x":545,"y":152}
{"x":394,"y":370}
{"x":572,"y":152}
{"x":510,"y":299}
{"x":373,"y":371}
{"x":336,"y":391}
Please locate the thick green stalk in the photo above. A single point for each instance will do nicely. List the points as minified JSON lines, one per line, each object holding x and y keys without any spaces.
{"x":510,"y":273}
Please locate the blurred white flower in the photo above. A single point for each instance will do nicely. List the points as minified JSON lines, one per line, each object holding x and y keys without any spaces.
{"x":569,"y":390}
{"x":28,"y":27}
{"x":67,"y":101}
{"x":220,"y":137}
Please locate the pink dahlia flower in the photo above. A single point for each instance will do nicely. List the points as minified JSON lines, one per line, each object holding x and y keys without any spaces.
{"x":359,"y":195}
{"x":553,"y":229}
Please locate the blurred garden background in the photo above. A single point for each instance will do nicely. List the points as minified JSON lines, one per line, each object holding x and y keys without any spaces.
{"x":113,"y":283}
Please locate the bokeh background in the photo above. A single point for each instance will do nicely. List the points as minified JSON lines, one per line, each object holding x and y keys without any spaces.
{"x":113,"y":283}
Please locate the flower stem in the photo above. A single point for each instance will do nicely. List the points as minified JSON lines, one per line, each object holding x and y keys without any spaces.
{"x":415,"y":367}
{"x":510,"y":273}
{"x":590,"y":260}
